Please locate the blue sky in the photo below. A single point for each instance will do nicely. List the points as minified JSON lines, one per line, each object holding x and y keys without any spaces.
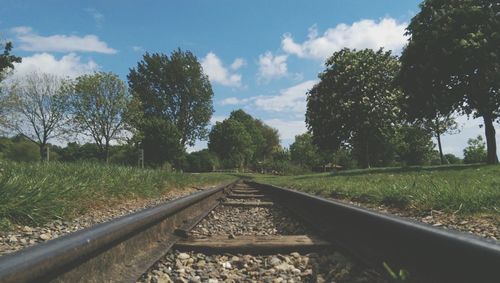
{"x":260,"y":55}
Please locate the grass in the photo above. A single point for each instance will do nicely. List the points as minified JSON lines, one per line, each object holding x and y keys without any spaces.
{"x":453,"y":189}
{"x":34,"y":193}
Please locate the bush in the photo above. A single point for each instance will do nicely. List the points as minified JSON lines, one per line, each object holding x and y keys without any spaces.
{"x":475,"y":152}
{"x":452,"y":159}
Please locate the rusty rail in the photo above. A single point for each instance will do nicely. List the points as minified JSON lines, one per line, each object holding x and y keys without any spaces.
{"x":433,"y":254}
{"x":116,"y":251}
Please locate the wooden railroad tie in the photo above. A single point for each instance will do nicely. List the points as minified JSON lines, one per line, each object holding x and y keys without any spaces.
{"x":244,"y":196}
{"x":248,"y":203}
{"x":236,"y":191}
{"x":254,"y":244}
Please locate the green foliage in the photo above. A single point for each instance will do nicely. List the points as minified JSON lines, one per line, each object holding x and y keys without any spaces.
{"x":475,"y":152}
{"x":303,"y":152}
{"x":161,"y":142}
{"x":401,"y":276}
{"x":7,"y":59}
{"x":452,"y":62}
{"x":242,"y":141}
{"x":39,"y":107}
{"x":462,"y":189}
{"x":452,"y":159}
{"x":416,"y":146}
{"x":355,"y":103}
{"x":173,"y":89}
{"x":98,"y":107}
{"x":201,"y":161}
{"x":20,"y":149}
{"x":232,"y":143}
{"x":34,"y":193}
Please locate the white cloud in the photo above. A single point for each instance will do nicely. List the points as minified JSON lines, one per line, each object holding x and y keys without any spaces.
{"x":30,"y":41}
{"x":387,"y":33}
{"x":271,"y":66}
{"x":137,"y":48}
{"x":288,"y":129}
{"x":292,"y":99}
{"x":69,"y":65}
{"x":234,"y":101}
{"x":217,"y":73}
{"x":238,"y":63}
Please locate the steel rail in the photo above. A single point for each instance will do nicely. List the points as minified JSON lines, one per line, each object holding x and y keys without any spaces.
{"x":433,"y":254}
{"x":116,"y":251}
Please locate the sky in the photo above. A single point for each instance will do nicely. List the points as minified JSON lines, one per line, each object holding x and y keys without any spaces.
{"x":261,"y":56}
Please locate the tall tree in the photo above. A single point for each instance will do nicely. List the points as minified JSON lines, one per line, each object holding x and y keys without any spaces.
{"x":98,"y":107}
{"x":304,"y":152}
{"x":231,"y":142}
{"x":355,"y":102}
{"x":174,"y":89}
{"x":7,"y":61}
{"x":39,"y":106}
{"x":452,"y":62}
{"x":440,"y":125}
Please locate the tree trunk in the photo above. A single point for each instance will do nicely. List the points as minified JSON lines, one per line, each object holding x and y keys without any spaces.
{"x":43,"y":151}
{"x":441,"y":156}
{"x":491,"y":143}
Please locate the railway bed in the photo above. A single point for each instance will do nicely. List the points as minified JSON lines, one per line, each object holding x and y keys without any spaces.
{"x":251,"y":232}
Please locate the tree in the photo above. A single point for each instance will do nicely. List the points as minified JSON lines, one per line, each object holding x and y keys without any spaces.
{"x":416,"y":146}
{"x":98,"y":107}
{"x":304,"y":152}
{"x":231,"y":142}
{"x":452,"y":159}
{"x":355,"y":102}
{"x":173,"y":89}
{"x":39,"y":106}
{"x":7,"y":60}
{"x":264,"y":138}
{"x":452,"y":62}
{"x":440,"y":125}
{"x":202,"y":161}
{"x":475,"y":151}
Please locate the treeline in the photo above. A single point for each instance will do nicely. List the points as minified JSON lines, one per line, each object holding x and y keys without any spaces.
{"x":166,"y":107}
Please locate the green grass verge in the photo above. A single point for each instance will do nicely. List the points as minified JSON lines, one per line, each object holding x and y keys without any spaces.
{"x":462,"y":189}
{"x":34,"y":193}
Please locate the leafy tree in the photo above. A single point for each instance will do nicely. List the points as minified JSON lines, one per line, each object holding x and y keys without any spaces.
{"x":39,"y":106}
{"x":452,"y":62}
{"x":22,"y":150}
{"x":160,"y":142}
{"x":264,"y":138}
{"x":355,"y":103}
{"x":173,"y":89}
{"x":416,"y":146}
{"x":304,"y":152}
{"x":452,"y":159}
{"x":475,"y":152}
{"x":98,"y":107}
{"x":231,"y":142}
{"x":7,"y":60}
{"x":440,"y":125}
{"x":202,"y":161}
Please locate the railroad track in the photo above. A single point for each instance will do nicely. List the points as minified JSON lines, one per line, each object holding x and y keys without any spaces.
{"x":255,"y":232}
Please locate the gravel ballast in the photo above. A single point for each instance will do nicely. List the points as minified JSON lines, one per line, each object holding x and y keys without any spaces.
{"x":24,"y":236}
{"x":233,"y":221}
